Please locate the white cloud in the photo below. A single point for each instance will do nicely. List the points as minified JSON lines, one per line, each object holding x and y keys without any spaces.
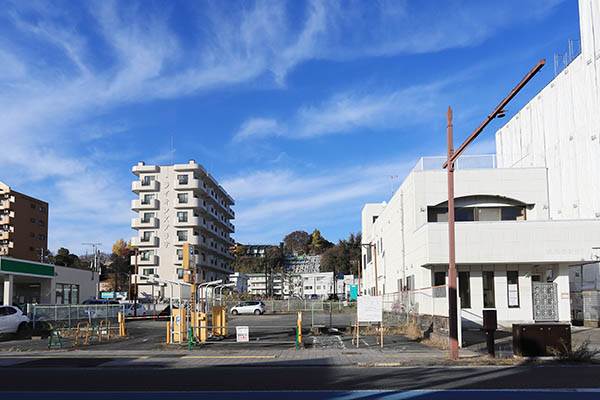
{"x":257,"y":128}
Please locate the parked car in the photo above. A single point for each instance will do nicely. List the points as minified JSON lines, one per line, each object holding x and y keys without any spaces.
{"x":130,"y":309}
{"x":12,"y":320}
{"x":249,"y":307}
{"x":101,"y":308}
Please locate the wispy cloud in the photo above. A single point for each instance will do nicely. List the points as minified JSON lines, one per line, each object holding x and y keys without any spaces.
{"x":270,"y":199}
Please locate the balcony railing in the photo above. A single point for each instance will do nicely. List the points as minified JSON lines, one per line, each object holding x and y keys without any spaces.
{"x":144,"y":261}
{"x":139,"y":204}
{"x":141,"y":169}
{"x":139,"y":223}
{"x":141,"y":242}
{"x":141,"y":186}
{"x":464,"y":162}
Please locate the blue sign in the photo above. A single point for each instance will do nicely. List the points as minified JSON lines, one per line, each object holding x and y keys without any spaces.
{"x":107,"y":295}
{"x":353,"y":292}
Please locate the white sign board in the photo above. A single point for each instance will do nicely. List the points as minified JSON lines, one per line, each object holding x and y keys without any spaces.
{"x":370,"y":308}
{"x":513,"y":295}
{"x":242,"y":334}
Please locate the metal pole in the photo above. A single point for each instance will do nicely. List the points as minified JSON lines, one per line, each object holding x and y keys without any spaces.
{"x":376,"y":277}
{"x":135,"y":286}
{"x":452,"y":313}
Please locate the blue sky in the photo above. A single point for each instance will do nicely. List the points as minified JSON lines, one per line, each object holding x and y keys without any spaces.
{"x":303,"y":110}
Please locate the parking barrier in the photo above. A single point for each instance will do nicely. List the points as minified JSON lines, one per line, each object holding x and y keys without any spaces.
{"x":169,"y":332}
{"x":78,"y":331}
{"x":296,"y":333}
{"x":106,"y":324}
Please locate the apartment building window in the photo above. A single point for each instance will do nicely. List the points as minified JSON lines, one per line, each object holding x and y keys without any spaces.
{"x":41,"y":237}
{"x":182,"y":179}
{"x":147,"y":180}
{"x":182,"y":236}
{"x":488,"y":290}
{"x":32,"y":205}
{"x":182,"y":198}
{"x":42,"y":223}
{"x":203,"y":257}
{"x":42,"y":209}
{"x":148,"y":271}
{"x":410,"y":282}
{"x":203,"y":239}
{"x":67,"y":293}
{"x":146,"y":254}
{"x":464,"y":289}
{"x":31,"y":234}
{"x":146,"y":236}
{"x":182,"y":216}
{"x":32,"y":220}
{"x":147,"y":198}
{"x":439,"y":278}
{"x":512,"y":280}
{"x":400,"y":285}
{"x":179,"y":254}
{"x":147,"y":217}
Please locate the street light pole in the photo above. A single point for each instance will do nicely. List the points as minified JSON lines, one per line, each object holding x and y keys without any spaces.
{"x":450,"y":163}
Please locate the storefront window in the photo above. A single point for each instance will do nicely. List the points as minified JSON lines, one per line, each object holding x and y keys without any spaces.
{"x":67,"y":293}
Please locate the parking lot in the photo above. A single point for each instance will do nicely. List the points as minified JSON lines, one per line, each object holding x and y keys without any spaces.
{"x":275,"y":331}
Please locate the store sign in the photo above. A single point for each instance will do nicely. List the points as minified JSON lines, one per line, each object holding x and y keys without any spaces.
{"x":353,"y":292}
{"x":107,"y":295}
{"x":242,"y":334}
{"x":370,"y":308}
{"x":513,"y":295}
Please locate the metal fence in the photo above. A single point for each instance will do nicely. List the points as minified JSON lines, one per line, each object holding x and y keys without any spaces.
{"x":67,"y":316}
{"x":399,"y":307}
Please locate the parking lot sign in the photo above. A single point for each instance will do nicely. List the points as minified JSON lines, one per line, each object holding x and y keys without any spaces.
{"x":242,"y":334}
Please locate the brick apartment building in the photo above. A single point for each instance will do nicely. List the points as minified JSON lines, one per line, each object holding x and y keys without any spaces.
{"x":23,"y":225}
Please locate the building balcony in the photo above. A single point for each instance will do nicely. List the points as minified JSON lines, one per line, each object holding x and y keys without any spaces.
{"x":141,"y":186}
{"x":138,"y":204}
{"x":192,"y":184}
{"x":4,"y":251}
{"x":194,"y":240}
{"x":191,"y":222}
{"x":193,"y":202}
{"x":141,"y":168}
{"x":6,"y":235}
{"x":138,"y":223}
{"x":191,"y":166}
{"x":546,"y":241}
{"x":230,"y":213}
{"x":151,"y":260}
{"x":6,"y":220}
{"x":6,"y":205}
{"x":140,"y":242}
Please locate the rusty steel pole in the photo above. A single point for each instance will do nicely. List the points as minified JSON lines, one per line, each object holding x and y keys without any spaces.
{"x":453,"y":309}
{"x":452,"y":158}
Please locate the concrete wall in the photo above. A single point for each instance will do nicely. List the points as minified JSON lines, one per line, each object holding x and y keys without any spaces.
{"x":560,"y":129}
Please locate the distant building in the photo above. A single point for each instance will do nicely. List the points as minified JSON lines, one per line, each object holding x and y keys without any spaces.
{"x":301,"y":264}
{"x":177,"y":204}
{"x":241,"y":282}
{"x":23,"y":225}
{"x":276,"y":285}
{"x":320,"y":285}
{"x":255,"y":250}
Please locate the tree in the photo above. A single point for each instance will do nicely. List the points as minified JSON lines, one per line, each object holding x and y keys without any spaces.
{"x":318,"y":243}
{"x":119,"y":267}
{"x":343,"y":257}
{"x":297,"y":242}
{"x":64,"y":258}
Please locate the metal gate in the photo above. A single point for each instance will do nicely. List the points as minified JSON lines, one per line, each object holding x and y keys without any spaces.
{"x":545,"y":302}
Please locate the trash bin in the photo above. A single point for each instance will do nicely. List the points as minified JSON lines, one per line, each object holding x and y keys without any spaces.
{"x":536,"y":340}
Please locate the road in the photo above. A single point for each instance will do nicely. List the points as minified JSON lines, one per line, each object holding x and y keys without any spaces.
{"x":50,"y":376}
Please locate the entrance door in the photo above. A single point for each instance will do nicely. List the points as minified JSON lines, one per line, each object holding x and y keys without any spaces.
{"x":545,"y":302}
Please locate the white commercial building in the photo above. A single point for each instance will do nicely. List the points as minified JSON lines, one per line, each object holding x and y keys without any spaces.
{"x":177,"y":204}
{"x":25,"y":282}
{"x":559,"y":130}
{"x":510,"y":255}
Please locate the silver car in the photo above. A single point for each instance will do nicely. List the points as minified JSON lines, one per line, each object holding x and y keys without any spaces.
{"x":249,"y":307}
{"x":12,"y":320}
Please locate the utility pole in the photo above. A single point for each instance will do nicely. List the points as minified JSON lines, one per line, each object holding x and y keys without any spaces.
{"x":452,"y":158}
{"x":95,"y":267}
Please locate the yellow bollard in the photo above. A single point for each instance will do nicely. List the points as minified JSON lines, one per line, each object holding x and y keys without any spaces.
{"x":218,"y":314}
{"x":122,"y":332}
{"x":168,"y":332}
{"x":202,"y":322}
{"x":299,"y":327}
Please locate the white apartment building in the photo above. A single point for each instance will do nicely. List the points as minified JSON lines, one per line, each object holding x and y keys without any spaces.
{"x":559,"y":130}
{"x":177,"y":204}
{"x":507,"y":245}
{"x":240,"y":280}
{"x":320,"y":285}
{"x":276,"y":285}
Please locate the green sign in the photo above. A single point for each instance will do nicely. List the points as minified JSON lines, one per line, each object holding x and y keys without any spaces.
{"x":26,"y":267}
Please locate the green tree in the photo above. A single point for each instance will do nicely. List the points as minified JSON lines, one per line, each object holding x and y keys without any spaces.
{"x":343,"y":257}
{"x":297,"y":242}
